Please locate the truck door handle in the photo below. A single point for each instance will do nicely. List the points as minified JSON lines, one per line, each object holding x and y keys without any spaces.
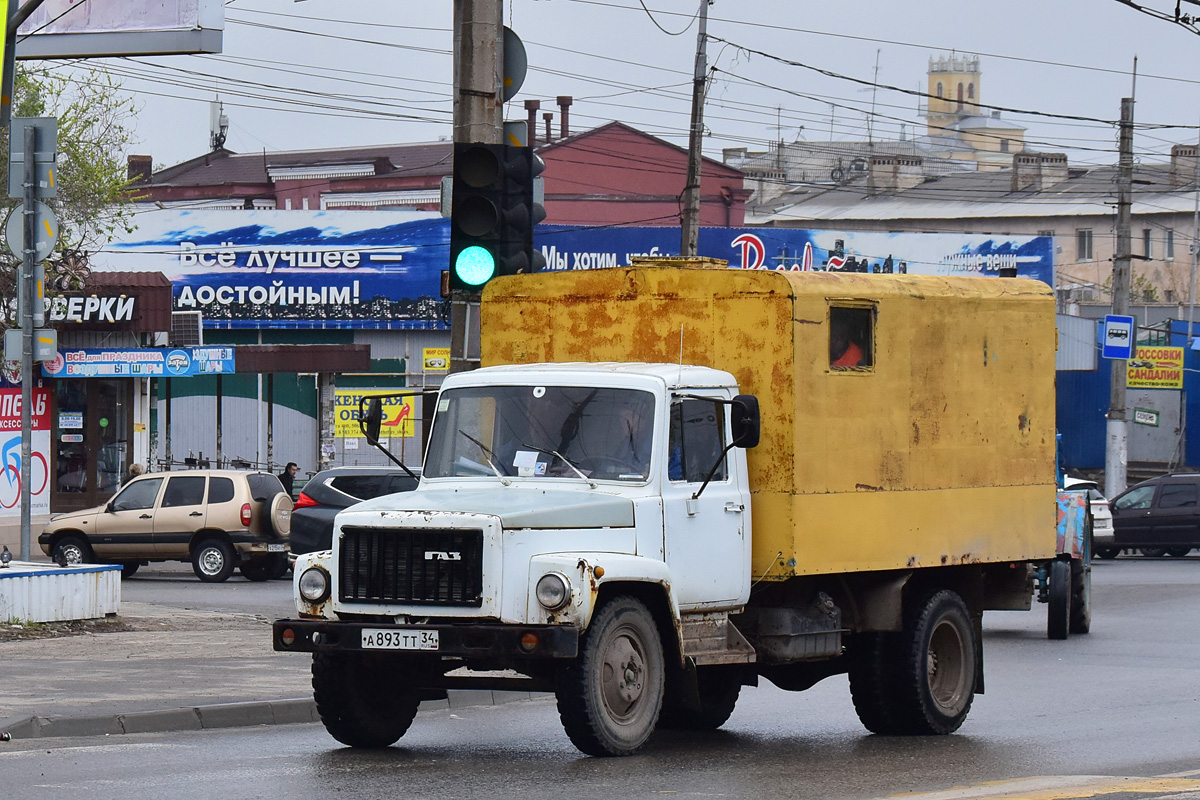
{"x":736,"y":508}
{"x":195,"y":514}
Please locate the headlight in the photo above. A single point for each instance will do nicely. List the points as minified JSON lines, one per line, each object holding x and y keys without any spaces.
{"x":553,"y":590}
{"x":314,"y":584}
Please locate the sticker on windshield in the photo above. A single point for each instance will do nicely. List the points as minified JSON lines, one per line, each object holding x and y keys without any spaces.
{"x":443,"y":404}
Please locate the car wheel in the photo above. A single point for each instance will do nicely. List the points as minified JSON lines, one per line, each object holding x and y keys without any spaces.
{"x":1178,"y":552}
{"x":128,"y":568}
{"x":73,"y":550}
{"x":257,"y":569}
{"x":212,"y":561}
{"x":1154,"y":552}
{"x":280,"y":566}
{"x":1108,"y":552}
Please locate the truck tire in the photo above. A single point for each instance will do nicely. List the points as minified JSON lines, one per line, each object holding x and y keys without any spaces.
{"x":1081,"y":597}
{"x":362,"y":698}
{"x":1058,"y":619}
{"x":870,"y":669}
{"x":610,"y":698}
{"x":719,"y":691}
{"x":934,"y":684}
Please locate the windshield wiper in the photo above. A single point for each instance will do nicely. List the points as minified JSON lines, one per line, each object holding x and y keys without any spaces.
{"x":488,"y":456}
{"x":562,"y":458}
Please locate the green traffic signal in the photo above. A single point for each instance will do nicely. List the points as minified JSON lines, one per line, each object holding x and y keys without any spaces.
{"x":475,"y":266}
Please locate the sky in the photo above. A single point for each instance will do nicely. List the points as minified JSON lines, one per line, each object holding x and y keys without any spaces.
{"x":341,"y":73}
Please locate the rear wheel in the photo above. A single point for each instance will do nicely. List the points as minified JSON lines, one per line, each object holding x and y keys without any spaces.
{"x":610,"y":699}
{"x":933,"y":681}
{"x":257,"y":569}
{"x":128,"y":568}
{"x":870,"y":668}
{"x":363,"y":698}
{"x":719,"y":690}
{"x":212,"y":561}
{"x":1058,"y":620}
{"x":1154,"y":552}
{"x":1081,"y":597}
{"x":1178,"y":552}
{"x":1108,"y":552}
{"x":73,"y":550}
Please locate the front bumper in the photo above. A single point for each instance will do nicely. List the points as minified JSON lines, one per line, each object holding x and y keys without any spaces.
{"x":475,"y":641}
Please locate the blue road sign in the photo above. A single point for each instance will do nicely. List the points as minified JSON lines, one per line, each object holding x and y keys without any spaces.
{"x":1120,"y":337}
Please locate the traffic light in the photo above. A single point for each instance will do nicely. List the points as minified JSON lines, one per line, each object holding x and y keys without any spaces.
{"x":475,"y":230}
{"x":493,"y":211}
{"x":520,"y":212}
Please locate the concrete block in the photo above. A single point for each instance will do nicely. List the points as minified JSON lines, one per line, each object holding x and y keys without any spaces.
{"x":171,"y":719}
{"x":77,"y":726}
{"x":233,"y":715}
{"x":285,"y":712}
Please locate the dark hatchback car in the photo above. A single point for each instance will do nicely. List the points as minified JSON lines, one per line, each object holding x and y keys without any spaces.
{"x":328,"y":492}
{"x":1161,"y":515}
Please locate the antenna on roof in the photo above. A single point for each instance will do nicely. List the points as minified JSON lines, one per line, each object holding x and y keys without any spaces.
{"x":218,"y":125}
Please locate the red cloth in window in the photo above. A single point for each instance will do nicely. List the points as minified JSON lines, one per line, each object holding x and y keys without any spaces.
{"x":851,"y":358}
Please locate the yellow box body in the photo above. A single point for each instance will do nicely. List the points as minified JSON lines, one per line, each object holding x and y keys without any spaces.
{"x":942,"y":452}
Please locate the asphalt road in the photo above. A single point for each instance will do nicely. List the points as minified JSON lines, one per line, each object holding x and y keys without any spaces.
{"x":176,"y":585}
{"x":1122,"y":701}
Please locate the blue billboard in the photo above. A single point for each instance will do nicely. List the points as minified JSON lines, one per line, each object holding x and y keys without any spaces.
{"x":382,"y":269}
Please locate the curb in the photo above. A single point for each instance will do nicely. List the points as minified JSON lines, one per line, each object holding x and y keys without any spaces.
{"x":223,"y":715}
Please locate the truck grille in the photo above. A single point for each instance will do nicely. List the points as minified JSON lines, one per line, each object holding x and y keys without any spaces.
{"x":398,"y":565}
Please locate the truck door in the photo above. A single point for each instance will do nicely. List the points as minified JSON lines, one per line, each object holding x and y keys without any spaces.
{"x":706,"y":539}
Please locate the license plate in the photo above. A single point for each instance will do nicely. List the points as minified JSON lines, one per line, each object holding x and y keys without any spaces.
{"x":277,"y":548}
{"x":399,"y":639}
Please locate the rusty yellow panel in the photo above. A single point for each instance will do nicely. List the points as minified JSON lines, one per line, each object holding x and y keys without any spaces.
{"x":960,"y":397}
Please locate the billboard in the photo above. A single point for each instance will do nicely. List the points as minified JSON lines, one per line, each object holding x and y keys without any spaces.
{"x":382,"y":269}
{"x":10,"y":452}
{"x":96,"y":28}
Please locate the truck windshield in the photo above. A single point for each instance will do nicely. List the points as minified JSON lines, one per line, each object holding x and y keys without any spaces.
{"x":527,"y":431}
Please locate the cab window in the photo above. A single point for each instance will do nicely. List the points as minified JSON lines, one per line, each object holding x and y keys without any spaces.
{"x":184,"y":490}
{"x":696,"y":441}
{"x":851,"y":338}
{"x":137,"y":495}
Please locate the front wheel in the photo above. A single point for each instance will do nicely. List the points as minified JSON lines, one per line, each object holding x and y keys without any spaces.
{"x":257,"y":569}
{"x":610,"y":699}
{"x":71,"y":550}
{"x":1154,"y":552}
{"x":1108,"y":552}
{"x":362,"y":698}
{"x":1178,"y":552}
{"x":212,"y":561}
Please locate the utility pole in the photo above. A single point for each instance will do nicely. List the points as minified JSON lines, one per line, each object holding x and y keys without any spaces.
{"x":1116,"y":454}
{"x":690,"y":219}
{"x":478,"y":117}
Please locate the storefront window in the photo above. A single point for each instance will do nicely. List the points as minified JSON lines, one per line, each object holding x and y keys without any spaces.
{"x":113,"y":439}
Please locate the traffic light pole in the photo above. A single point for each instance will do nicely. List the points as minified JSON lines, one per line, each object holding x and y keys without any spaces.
{"x":478,"y":117}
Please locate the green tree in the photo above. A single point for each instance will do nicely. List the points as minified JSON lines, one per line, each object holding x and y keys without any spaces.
{"x":93,"y":202}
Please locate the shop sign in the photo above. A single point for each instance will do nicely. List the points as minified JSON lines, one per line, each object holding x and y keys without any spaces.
{"x":435,"y":359}
{"x":91,"y":309}
{"x":71,"y":438}
{"x":144,"y":362}
{"x":10,"y":452}
{"x":1145,"y":416}
{"x":70,"y":420}
{"x":397,"y":414}
{"x":1155,"y":368}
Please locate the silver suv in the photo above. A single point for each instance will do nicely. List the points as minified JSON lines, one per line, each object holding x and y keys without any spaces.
{"x":216,"y":519}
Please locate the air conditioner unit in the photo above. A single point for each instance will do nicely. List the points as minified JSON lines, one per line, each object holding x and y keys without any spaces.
{"x":187,"y":329}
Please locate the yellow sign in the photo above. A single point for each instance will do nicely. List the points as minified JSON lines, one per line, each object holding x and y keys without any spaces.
{"x":398,"y":414}
{"x":1155,"y":368}
{"x":435,"y":359}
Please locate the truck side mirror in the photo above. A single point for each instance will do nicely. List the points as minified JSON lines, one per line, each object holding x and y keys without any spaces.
{"x":746,"y":421}
{"x":372,"y":421}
